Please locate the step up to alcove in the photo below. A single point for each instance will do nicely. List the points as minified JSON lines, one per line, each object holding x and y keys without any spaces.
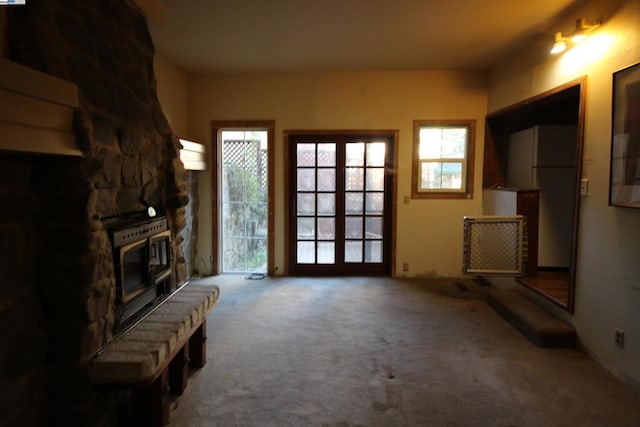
{"x":538,"y":325}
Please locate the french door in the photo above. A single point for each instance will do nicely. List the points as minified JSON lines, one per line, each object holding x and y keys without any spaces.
{"x":340,"y":203}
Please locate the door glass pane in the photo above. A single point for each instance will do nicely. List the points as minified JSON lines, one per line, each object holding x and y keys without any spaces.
{"x":257,"y":255}
{"x":243,"y":199}
{"x":306,"y":252}
{"x":326,"y":228}
{"x":376,"y":153}
{"x":353,"y":203}
{"x":326,"y":252}
{"x":353,"y":251}
{"x":326,"y":204}
{"x":354,"y":179}
{"x":355,"y":154}
{"x":233,"y":225}
{"x":233,"y":248}
{"x":327,"y":154}
{"x":375,"y":203}
{"x":373,"y":227}
{"x":375,"y":179}
{"x":306,"y":203}
{"x":306,"y":179}
{"x":306,"y":155}
{"x":353,"y":227}
{"x":326,"y":179}
{"x":373,"y":251}
{"x":306,"y":228}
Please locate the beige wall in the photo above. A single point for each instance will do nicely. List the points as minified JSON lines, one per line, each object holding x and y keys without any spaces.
{"x":429,"y":232}
{"x":172,"y":94}
{"x":608,"y":267}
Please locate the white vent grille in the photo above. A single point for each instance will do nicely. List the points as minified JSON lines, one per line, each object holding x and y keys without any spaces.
{"x":193,"y":155}
{"x":494,"y":245}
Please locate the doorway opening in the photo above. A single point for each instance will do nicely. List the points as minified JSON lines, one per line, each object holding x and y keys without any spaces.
{"x":340,"y":191}
{"x":547,"y":131}
{"x":243,"y":197}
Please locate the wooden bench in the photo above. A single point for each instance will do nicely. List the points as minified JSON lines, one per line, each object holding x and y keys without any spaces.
{"x":152,"y":358}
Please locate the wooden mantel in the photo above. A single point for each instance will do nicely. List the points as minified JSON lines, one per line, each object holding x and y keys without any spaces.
{"x":36,"y":111}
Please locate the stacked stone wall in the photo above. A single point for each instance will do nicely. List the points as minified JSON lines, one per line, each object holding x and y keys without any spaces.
{"x":130,"y":161}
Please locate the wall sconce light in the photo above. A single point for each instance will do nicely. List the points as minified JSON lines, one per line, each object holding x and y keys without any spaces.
{"x":582,"y":28}
{"x":559,"y":43}
{"x":578,"y":36}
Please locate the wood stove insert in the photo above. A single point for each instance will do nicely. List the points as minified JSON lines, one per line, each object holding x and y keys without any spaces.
{"x":142,"y":259}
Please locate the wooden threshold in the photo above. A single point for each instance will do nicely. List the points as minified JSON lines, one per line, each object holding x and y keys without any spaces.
{"x":553,"y":285}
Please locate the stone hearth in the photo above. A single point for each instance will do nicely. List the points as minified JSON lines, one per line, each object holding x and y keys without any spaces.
{"x":56,"y":263}
{"x":142,"y":351}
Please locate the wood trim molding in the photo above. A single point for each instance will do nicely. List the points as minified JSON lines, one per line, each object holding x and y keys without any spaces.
{"x":36,"y":111}
{"x":287,"y":205}
{"x":30,"y":82}
{"x":539,"y":97}
{"x":394,"y":211}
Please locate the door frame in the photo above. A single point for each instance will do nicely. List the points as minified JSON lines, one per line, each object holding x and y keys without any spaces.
{"x":393,"y":133}
{"x":216,"y":127}
{"x":498,"y":124}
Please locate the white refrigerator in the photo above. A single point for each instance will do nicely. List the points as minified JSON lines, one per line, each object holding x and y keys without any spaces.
{"x":544,"y":157}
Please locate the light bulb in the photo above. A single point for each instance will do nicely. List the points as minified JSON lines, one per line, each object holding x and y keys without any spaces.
{"x":578,"y":37}
{"x":559,"y":45}
{"x":582,"y":28}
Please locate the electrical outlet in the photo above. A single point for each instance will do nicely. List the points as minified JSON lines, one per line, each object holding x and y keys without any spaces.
{"x":584,"y":187}
{"x":619,"y":338}
{"x":405,"y":266}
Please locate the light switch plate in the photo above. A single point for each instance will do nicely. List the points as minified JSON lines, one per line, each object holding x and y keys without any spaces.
{"x":584,"y":187}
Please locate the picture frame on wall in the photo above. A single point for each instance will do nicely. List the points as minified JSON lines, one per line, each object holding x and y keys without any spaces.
{"x":624,"y":190}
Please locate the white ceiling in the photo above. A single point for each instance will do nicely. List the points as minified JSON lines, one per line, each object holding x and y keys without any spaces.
{"x":245,"y":36}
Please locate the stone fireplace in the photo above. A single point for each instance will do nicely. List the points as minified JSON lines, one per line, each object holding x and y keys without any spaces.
{"x":57,"y":279}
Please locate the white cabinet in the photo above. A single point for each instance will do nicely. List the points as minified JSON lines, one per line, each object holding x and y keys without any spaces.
{"x":511,"y":201}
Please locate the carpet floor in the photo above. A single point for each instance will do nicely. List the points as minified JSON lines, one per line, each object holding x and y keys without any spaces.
{"x":385,"y":352}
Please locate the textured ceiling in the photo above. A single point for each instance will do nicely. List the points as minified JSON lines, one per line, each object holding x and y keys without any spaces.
{"x":245,"y":36}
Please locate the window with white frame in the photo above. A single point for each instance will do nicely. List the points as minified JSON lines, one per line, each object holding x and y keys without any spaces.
{"x":443,"y":159}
